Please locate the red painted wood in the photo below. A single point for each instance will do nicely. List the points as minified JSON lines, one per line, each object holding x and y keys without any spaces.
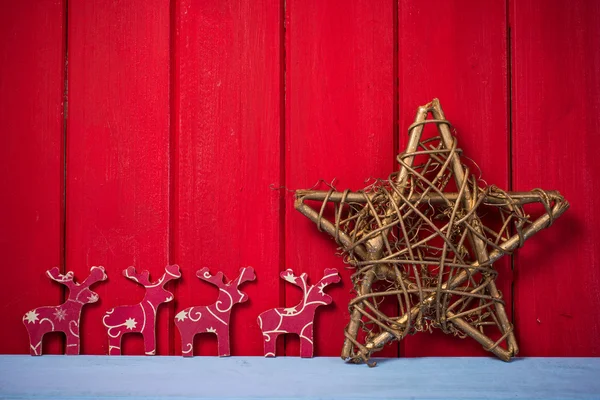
{"x":32,"y":64}
{"x":556,"y":82}
{"x":339,"y":124}
{"x":456,"y":51}
{"x":118,"y":154}
{"x":216,"y":69}
{"x":227,"y":105}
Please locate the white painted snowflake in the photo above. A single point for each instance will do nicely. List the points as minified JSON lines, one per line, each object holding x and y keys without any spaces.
{"x":289,"y":311}
{"x":321,"y":287}
{"x":31,"y":316}
{"x":290,"y":277}
{"x":60,"y":314}
{"x":211,"y":329}
{"x":93,"y":298}
{"x":181,"y":315}
{"x":130,"y":323}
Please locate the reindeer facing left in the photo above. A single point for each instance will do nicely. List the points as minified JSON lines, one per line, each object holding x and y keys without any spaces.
{"x":139,"y":318}
{"x":64,"y":317}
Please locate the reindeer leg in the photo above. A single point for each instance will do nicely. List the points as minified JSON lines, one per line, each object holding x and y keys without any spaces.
{"x":114,"y":345}
{"x":72,"y":345}
{"x":270,"y":342}
{"x":150,"y":342}
{"x":187,"y":345}
{"x":306,"y":341}
{"x":223,"y":342}
{"x":35,"y":344}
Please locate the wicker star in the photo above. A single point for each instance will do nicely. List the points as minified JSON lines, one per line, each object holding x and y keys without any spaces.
{"x":428,"y":237}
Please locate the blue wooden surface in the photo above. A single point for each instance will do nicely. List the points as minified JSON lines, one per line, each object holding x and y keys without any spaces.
{"x":99,"y":377}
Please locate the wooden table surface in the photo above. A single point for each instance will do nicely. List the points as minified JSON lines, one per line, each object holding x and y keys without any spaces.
{"x":103,"y":377}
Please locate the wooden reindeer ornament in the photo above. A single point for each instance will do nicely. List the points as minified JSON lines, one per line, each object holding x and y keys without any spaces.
{"x":140,"y":318}
{"x":213,"y":318}
{"x":298,"y":319}
{"x":64,"y":317}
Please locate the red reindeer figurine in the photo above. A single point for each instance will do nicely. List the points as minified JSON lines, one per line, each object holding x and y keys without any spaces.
{"x":215,"y":317}
{"x":142,"y":316}
{"x":65,"y":317}
{"x":298,"y":319}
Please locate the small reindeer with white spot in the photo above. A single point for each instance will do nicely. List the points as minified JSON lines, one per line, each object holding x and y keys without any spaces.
{"x":298,"y":319}
{"x":64,"y":317}
{"x":142,"y":316}
{"x":213,"y":318}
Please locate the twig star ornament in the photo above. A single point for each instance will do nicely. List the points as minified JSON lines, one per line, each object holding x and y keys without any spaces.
{"x":427,"y":238}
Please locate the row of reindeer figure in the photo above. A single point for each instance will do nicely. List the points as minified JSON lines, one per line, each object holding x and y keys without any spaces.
{"x":141,"y":317}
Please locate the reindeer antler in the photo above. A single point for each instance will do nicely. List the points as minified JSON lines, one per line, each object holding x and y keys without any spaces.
{"x":330,"y":276}
{"x":66,"y":279}
{"x":142,"y":278}
{"x":97,"y":274}
{"x":205,"y":275}
{"x":300,"y":281}
{"x":171,"y":272}
{"x":247,"y":274}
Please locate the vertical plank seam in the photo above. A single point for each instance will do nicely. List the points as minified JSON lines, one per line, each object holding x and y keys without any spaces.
{"x":65,"y":114}
{"x":509,"y":71}
{"x":396,"y":102}
{"x":282,"y":158}
{"x":173,"y":164}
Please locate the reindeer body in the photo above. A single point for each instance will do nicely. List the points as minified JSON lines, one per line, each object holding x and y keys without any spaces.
{"x":212,"y":318}
{"x":139,"y":318}
{"x":298,"y":319}
{"x":64,"y":317}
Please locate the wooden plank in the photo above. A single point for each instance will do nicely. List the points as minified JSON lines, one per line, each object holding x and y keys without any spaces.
{"x":456,"y":51}
{"x":228,"y":98}
{"x":339,"y":124}
{"x":556,"y":81}
{"x":118,"y":154}
{"x":293,"y":378}
{"x":31,"y":163}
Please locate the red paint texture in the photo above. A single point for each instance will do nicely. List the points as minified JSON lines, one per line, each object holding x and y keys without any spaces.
{"x":117,"y":156}
{"x":555,"y":108}
{"x":32,"y":55}
{"x":227,"y":95}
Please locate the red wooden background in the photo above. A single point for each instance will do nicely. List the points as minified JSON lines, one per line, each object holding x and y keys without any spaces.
{"x":151,"y":132}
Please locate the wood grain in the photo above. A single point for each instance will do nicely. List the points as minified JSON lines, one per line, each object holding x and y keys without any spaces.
{"x":556,"y":82}
{"x":456,"y":51}
{"x":228,"y":98}
{"x":118,"y":154}
{"x":32,"y":61}
{"x":339,"y":124}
